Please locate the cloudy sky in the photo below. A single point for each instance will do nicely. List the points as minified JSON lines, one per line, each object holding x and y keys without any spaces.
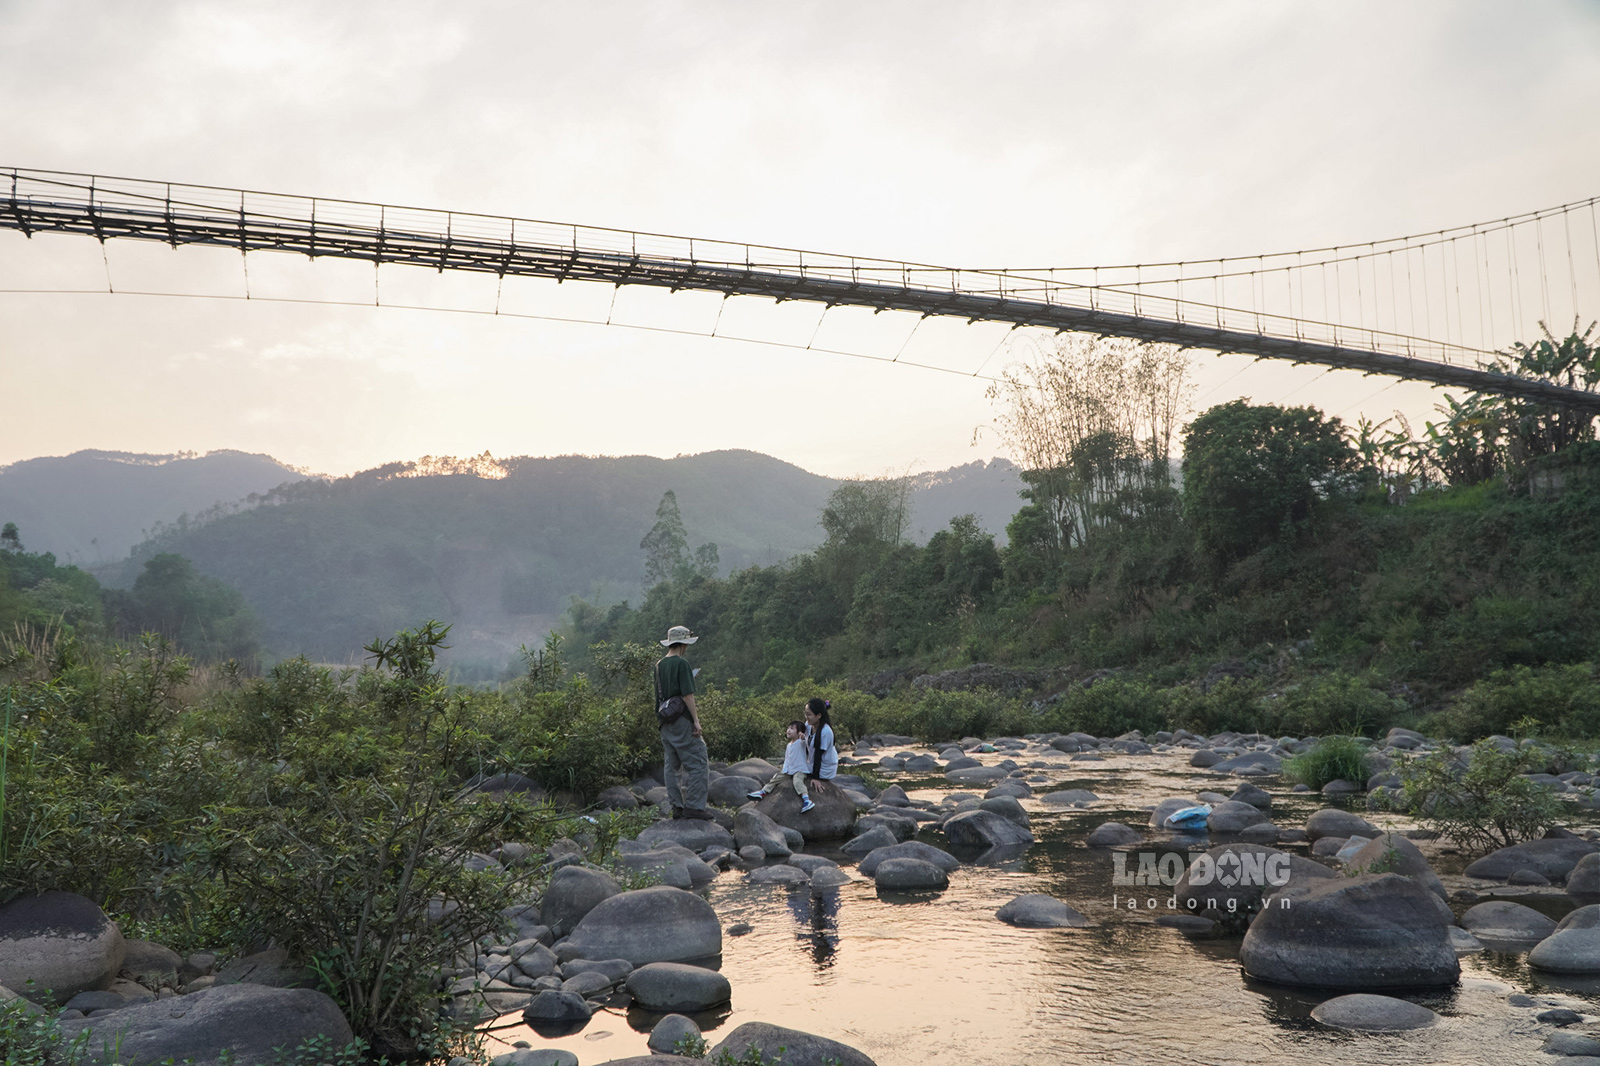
{"x":963,"y":133}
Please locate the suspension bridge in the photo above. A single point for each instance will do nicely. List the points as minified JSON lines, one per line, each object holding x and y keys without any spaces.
{"x":1434,"y":307}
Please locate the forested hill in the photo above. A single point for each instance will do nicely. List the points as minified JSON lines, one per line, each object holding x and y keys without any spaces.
{"x":501,"y":547}
{"x":94,"y":506}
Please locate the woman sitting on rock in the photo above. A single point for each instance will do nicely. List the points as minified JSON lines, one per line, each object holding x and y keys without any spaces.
{"x":819,"y":739}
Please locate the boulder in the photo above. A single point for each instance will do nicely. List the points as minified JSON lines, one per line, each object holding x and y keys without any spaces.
{"x":1008,"y":808}
{"x":692,"y":833}
{"x":1167,"y":808}
{"x":871,"y":840}
{"x":1583,"y":881}
{"x":1372,"y":932}
{"x":753,"y":827}
{"x":1112,"y":834}
{"x":673,"y":986}
{"x":1502,"y":920}
{"x":145,"y":958}
{"x":1230,"y":816}
{"x":237,"y":1023}
{"x":1253,"y":795}
{"x":616,"y":798}
{"x":62,"y":942}
{"x":909,"y":875}
{"x":779,"y":875}
{"x":272,"y":967}
{"x":507,"y":786}
{"x":1260,"y":833}
{"x":1253,"y":763}
{"x":1068,"y":797}
{"x":1574,"y":946}
{"x":573,"y":892}
{"x":902,"y":828}
{"x":1553,"y":858}
{"x":658,"y":924}
{"x":829,"y":877}
{"x":1204,"y":759}
{"x":553,"y":1005}
{"x":911,"y":849}
{"x":1010,"y":787}
{"x":1332,"y":822}
{"x":1036,"y":910}
{"x":798,"y":1049}
{"x":1373,"y":1014}
{"x":984,"y":829}
{"x":831,"y":818}
{"x":1395,"y":854}
{"x":977,"y":775}
{"x":757,"y":769}
{"x":671,"y":1032}
{"x":732,"y":791}
{"x":536,"y":1056}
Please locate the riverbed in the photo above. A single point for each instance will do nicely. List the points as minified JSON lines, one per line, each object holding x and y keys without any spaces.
{"x":935,"y":979}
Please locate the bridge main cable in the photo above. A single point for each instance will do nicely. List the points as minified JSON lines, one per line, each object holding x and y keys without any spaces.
{"x":105,"y":208}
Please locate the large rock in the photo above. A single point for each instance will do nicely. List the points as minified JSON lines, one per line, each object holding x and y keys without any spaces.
{"x":1253,"y":795}
{"x":1008,"y":808}
{"x":1503,"y":920}
{"x":752,"y":827}
{"x":1583,"y":881}
{"x":1332,"y":822}
{"x":1395,"y":854}
{"x":659,"y":924}
{"x":59,"y":940}
{"x":1373,"y":1014}
{"x":1233,"y":880}
{"x":670,"y":1032}
{"x":832,"y":818}
{"x":1167,"y":808}
{"x":871,"y":840}
{"x":1373,"y":932}
{"x":1111,"y":835}
{"x":573,"y":892}
{"x":797,"y":1048}
{"x":911,"y":849}
{"x":693,"y":834}
{"x":1230,"y":816}
{"x":977,"y":775}
{"x":1255,"y":762}
{"x":984,"y":829}
{"x":1035,"y":910}
{"x":1069,"y":797}
{"x":1551,"y":858}
{"x":238,"y":1023}
{"x":1574,"y":947}
{"x":145,"y":958}
{"x":760,"y":769}
{"x":732,"y":790}
{"x":676,"y":987}
{"x":909,"y":875}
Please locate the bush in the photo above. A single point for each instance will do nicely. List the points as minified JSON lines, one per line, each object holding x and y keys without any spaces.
{"x":1566,"y":698}
{"x":1335,"y":703}
{"x":1330,"y":759}
{"x":1108,"y":708}
{"x":1480,"y":799}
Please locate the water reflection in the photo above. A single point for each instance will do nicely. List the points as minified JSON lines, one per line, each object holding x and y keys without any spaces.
{"x":817,"y":914}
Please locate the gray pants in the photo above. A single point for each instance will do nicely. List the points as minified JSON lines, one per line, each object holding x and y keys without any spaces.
{"x":688,"y":771}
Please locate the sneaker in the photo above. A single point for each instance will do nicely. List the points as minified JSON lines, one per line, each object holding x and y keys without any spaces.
{"x":757,"y":795}
{"x":677,"y":812}
{"x":806,"y":805}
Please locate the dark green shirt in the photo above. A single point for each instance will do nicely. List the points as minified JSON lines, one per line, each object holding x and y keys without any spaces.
{"x":676,"y":677}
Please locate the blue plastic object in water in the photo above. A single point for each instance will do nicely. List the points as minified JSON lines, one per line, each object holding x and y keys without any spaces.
{"x":1189,"y":817}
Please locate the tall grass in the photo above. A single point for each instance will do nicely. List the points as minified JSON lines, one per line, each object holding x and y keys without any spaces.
{"x":1330,"y":759}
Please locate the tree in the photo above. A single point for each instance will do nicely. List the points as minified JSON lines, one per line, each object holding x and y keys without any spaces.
{"x":1087,"y":419}
{"x":864,"y":521}
{"x":10,"y":539}
{"x":1254,"y":474}
{"x":205,"y":617}
{"x":667,"y":543}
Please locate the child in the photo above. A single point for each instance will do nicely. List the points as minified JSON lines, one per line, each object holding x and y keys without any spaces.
{"x":795,"y":759}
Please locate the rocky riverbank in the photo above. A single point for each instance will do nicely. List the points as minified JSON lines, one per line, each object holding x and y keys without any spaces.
{"x":1364,"y":903}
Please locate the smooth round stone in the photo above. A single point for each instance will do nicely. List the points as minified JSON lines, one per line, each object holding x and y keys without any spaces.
{"x":909,"y":875}
{"x":671,"y":1031}
{"x":1574,"y":947}
{"x":678,"y":987}
{"x":910,"y":849}
{"x":536,"y":1056}
{"x":1112,"y":834}
{"x":1504,"y":920}
{"x":753,"y":853}
{"x":1068,"y":797}
{"x":553,"y":1006}
{"x":1527,"y":877}
{"x":1373,"y":1014}
{"x":779,"y":875}
{"x":1035,"y":910}
{"x":1332,"y":822}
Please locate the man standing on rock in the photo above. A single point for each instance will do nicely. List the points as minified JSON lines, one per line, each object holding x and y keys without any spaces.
{"x":683,"y":749}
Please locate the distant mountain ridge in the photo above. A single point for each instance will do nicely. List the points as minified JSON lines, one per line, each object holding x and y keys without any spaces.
{"x":92,"y":507}
{"x":496,"y":546}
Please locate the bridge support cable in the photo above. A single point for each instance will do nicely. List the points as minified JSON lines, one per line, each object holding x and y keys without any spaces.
{"x":1139,"y":301}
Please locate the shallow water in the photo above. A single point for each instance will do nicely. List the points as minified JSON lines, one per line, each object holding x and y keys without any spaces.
{"x":933,"y":979}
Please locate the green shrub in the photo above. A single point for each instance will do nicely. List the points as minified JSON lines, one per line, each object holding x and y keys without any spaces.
{"x":1565,"y":698}
{"x":1109,"y":707}
{"x":1335,"y":702}
{"x":1330,"y":759}
{"x":1480,"y":800}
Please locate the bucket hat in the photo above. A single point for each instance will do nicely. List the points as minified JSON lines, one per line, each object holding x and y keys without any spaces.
{"x":679,"y":635}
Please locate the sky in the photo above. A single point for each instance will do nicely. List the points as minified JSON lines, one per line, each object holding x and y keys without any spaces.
{"x":994,"y":134}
